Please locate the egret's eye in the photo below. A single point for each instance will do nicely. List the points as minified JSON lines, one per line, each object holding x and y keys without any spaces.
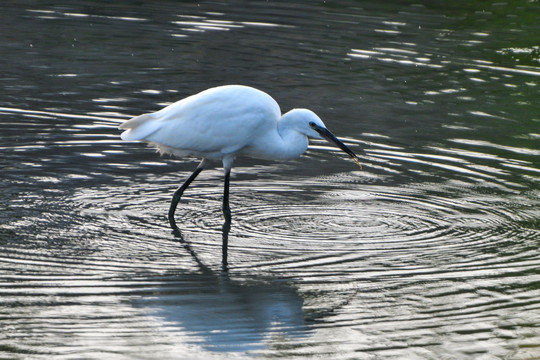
{"x":312,"y":124}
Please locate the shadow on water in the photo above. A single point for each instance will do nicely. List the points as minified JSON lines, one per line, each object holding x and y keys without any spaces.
{"x":222,"y":313}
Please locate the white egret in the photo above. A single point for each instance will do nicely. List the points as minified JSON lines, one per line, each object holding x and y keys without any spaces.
{"x":224,"y":122}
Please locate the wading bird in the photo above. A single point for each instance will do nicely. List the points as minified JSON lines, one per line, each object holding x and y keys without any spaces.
{"x":224,"y":122}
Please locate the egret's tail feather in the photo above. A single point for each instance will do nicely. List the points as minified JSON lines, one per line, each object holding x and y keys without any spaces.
{"x":138,"y":127}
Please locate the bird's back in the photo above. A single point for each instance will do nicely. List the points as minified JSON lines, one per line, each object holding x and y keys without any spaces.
{"x":212,"y":123}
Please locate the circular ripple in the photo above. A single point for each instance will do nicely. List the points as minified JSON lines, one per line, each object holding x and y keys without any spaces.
{"x":343,"y":223}
{"x":376,"y":217}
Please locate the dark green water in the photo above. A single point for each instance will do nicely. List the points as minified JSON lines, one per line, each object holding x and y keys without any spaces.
{"x":431,"y":252}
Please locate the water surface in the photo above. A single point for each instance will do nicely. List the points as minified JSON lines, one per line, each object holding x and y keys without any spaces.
{"x":430,"y":252}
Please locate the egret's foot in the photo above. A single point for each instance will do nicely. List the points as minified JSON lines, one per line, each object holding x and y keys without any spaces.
{"x":176,"y":232}
{"x":224,"y":247}
{"x":227,"y":214}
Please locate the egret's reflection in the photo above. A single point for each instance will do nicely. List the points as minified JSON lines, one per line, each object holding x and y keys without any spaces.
{"x":225,"y":231}
{"x":225,"y":242}
{"x":221,"y":313}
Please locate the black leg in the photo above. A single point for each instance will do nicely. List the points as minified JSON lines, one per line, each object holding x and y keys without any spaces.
{"x":226,"y":208}
{"x":226,"y":228}
{"x":227,"y":223}
{"x":178,"y":194}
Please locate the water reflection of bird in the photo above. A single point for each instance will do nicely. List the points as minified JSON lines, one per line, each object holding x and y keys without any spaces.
{"x":227,"y":313}
{"x":224,"y":122}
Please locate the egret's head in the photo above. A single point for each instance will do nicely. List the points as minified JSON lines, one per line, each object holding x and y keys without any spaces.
{"x":302,"y":120}
{"x":308,"y":123}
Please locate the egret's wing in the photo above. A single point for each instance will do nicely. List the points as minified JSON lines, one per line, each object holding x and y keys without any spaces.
{"x":222,"y":119}
{"x":138,"y":127}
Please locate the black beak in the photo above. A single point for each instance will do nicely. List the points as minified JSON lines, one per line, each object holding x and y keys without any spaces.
{"x":328,"y":136}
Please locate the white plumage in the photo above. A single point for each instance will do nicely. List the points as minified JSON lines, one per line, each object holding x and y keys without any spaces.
{"x":222,"y":121}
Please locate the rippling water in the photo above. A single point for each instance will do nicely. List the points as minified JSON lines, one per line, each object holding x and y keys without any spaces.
{"x":430,"y":252}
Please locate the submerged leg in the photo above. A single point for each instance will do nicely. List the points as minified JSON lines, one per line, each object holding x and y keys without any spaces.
{"x":178,"y":194}
{"x":227,"y":165}
{"x":225,"y":231}
{"x":227,"y":223}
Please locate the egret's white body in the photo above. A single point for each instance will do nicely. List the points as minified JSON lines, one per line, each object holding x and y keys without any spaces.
{"x":226,"y":121}
{"x":223,"y":122}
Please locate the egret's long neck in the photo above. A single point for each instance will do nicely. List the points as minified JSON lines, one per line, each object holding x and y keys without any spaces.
{"x":285,"y":143}
{"x":293,"y":142}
